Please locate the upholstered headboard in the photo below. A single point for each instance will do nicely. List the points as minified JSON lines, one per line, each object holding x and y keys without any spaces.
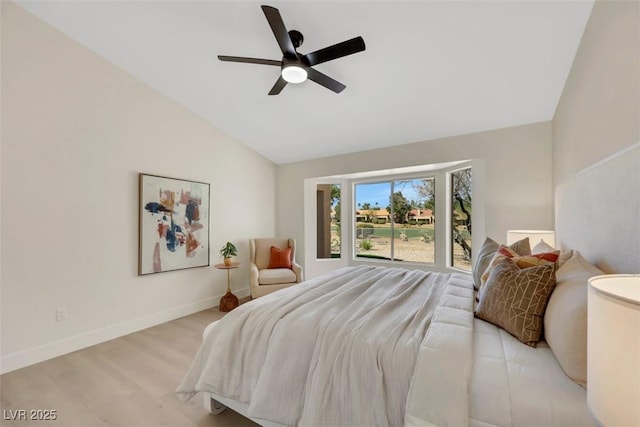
{"x":598,"y":212}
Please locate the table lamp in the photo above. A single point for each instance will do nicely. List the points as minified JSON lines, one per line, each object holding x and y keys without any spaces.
{"x":613,"y":349}
{"x":535,"y":236}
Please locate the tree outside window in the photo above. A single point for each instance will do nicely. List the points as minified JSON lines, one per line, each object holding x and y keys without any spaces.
{"x":461,"y":202}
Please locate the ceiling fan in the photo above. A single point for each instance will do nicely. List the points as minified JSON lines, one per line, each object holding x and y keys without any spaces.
{"x":296,"y":67}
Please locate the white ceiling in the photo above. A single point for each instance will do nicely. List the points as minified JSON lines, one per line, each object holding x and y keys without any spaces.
{"x":431,"y":68}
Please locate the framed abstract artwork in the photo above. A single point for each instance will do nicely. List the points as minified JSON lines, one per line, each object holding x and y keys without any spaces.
{"x":174,"y":224}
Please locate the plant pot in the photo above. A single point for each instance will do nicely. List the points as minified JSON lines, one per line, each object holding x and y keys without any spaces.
{"x":228,"y":261}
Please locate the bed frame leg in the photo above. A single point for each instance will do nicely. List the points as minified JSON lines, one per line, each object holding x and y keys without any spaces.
{"x":213,"y":406}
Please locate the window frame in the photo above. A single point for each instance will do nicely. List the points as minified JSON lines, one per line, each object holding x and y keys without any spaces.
{"x":443,"y":260}
{"x":391,"y":179}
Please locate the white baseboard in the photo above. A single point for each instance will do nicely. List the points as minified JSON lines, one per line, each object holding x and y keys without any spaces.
{"x":34,"y":355}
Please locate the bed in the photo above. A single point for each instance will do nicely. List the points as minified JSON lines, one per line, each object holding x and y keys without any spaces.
{"x":369,"y":345}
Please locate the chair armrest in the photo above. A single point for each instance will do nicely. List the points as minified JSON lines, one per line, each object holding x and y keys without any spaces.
{"x":253,"y":276}
{"x":297,"y":268}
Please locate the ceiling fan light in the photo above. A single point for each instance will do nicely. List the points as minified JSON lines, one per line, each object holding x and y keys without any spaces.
{"x":294,"y":74}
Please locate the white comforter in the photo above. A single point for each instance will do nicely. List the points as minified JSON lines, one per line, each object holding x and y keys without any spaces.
{"x":354,"y":347}
{"x":516,"y":385}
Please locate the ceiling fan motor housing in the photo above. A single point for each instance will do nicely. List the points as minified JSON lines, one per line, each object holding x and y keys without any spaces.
{"x":296,"y":38}
{"x":300,"y":61}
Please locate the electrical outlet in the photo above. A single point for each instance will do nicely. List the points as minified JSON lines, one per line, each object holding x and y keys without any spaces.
{"x":61,"y":313}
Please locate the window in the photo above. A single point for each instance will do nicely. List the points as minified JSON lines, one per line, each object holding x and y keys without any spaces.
{"x":461,"y":219}
{"x":391,"y":216}
{"x":328,"y":221}
{"x":395,"y":220}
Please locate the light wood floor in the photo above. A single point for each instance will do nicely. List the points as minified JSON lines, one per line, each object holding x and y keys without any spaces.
{"x":128,"y":382}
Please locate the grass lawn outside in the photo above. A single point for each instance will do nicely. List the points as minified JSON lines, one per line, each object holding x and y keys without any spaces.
{"x":412,"y":243}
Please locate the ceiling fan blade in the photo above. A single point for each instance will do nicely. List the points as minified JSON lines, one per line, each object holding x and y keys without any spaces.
{"x":280,"y":31}
{"x":338,"y":50}
{"x":277,"y":88}
{"x":324,"y":80}
{"x":249,"y":60}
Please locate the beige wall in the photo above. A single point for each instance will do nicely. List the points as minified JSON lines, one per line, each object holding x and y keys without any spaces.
{"x":76,"y":131}
{"x":516,"y":174}
{"x":597,"y":117}
{"x":598,"y":112}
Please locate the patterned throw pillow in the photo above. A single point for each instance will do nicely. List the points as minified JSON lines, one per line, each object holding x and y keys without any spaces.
{"x":515,"y":299}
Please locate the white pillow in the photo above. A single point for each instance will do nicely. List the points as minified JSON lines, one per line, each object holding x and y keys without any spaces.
{"x":541,"y":247}
{"x":565,"y":320}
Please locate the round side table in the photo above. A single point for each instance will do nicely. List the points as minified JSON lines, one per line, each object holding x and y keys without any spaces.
{"x":229,"y":301}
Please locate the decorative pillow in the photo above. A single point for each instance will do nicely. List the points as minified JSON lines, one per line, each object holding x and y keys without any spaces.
{"x":515,"y":299}
{"x":564,"y":257}
{"x":486,"y":253}
{"x":537,"y":259}
{"x":565,"y":320}
{"x":525,"y":261}
{"x":522,"y":247}
{"x":500,"y":253}
{"x":280,"y":258}
{"x":542,"y":246}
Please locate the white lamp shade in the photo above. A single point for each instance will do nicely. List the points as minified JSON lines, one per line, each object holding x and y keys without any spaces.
{"x":613,"y":349}
{"x":535,"y":236}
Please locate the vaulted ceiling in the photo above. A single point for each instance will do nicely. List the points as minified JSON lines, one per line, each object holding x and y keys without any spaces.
{"x":430,"y":69}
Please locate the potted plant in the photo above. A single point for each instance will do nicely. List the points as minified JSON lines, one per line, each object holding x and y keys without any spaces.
{"x":228,"y":251}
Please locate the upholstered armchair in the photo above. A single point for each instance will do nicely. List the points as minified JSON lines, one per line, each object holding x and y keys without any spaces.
{"x":272,"y":269}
